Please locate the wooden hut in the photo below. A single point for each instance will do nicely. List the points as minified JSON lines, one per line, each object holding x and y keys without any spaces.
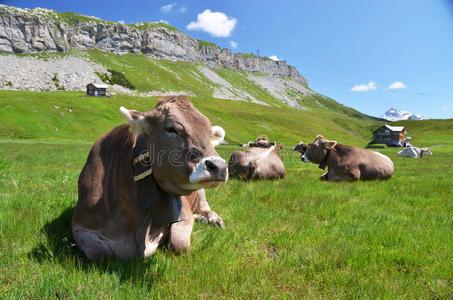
{"x":390,"y":135}
{"x":96,"y":89}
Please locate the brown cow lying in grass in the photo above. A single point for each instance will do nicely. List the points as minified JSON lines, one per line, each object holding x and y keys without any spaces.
{"x":261,"y":142}
{"x":257,"y":163}
{"x":347,"y":162}
{"x":142,"y":183}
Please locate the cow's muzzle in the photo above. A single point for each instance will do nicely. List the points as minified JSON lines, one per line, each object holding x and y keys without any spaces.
{"x":305,"y":159}
{"x":210,"y":172}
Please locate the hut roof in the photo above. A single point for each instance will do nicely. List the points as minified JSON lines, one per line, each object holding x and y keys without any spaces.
{"x":98,"y":85}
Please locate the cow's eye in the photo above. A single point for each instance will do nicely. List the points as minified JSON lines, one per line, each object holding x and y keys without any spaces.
{"x":171,"y":130}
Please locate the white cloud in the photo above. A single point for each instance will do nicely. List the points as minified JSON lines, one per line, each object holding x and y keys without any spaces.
{"x":167,"y":8}
{"x":182,"y":10}
{"x":397,"y":85}
{"x":364,"y":87}
{"x":216,"y":23}
{"x":233,"y":44}
{"x":274,"y":58}
{"x":121,"y":22}
{"x":164,"y":21}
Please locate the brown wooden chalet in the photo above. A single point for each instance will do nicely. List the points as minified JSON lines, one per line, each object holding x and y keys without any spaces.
{"x":96,"y":89}
{"x":390,"y":135}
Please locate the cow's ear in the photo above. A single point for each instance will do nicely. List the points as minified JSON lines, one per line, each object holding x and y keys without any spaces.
{"x":136,"y":120}
{"x":217,"y":135}
{"x":330,"y":144}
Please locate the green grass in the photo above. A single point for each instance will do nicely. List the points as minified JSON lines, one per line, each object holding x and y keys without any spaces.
{"x":46,"y":116}
{"x":429,"y":132}
{"x":75,"y":18}
{"x":292,"y":238}
{"x":202,"y":43}
{"x":150,"y":25}
{"x":249,"y":55}
{"x":155,"y":75}
{"x":298,"y":237}
{"x":43,"y":55}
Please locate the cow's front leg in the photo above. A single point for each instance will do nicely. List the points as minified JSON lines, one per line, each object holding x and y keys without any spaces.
{"x":180,"y":235}
{"x":211,"y":218}
{"x":205,"y":212}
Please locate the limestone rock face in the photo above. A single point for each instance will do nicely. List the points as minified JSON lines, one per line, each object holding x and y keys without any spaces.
{"x":30,"y":73}
{"x":42,"y":30}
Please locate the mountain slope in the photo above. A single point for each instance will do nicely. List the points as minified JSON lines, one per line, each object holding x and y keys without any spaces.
{"x":66,"y":51}
{"x":71,"y":116}
{"x":43,"y":30}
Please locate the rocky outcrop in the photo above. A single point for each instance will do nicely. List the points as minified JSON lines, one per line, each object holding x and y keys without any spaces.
{"x":34,"y":74}
{"x":42,"y":30}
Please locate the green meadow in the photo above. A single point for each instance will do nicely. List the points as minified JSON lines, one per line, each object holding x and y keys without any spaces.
{"x":292,"y":238}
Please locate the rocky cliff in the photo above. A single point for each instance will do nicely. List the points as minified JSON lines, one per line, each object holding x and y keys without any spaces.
{"x":42,"y":30}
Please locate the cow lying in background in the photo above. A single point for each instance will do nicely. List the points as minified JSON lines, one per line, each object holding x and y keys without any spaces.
{"x":414,"y":152}
{"x":261,"y":142}
{"x":347,"y":162}
{"x":257,"y":163}
{"x":142,"y":182}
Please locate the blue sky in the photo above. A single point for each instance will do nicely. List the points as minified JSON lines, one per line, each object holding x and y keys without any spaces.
{"x":349,"y":50}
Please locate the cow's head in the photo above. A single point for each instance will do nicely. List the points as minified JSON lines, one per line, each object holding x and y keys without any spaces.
{"x":181,"y":139}
{"x":301,"y":147}
{"x":262,"y":141}
{"x":317,"y":151}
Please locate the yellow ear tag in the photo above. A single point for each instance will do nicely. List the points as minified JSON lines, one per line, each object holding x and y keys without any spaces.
{"x":212,"y":143}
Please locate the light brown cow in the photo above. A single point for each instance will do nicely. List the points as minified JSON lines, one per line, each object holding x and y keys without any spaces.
{"x":126,"y":212}
{"x":347,"y":162}
{"x":257,"y":163}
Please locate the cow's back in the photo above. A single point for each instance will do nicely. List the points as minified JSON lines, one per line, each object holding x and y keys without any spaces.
{"x":256,"y":163}
{"x":107,"y":194}
{"x":372,"y":165}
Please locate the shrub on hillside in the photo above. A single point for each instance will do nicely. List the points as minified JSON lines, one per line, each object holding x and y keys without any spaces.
{"x":116,"y":77}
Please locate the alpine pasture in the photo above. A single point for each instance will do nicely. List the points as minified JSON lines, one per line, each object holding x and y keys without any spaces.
{"x":298,"y":237}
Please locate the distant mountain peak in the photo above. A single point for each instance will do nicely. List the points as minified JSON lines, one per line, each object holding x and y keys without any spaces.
{"x":394,"y":114}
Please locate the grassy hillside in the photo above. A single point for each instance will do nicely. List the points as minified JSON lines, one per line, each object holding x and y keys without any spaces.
{"x":427,"y":133}
{"x":64,"y":116}
{"x":148,"y":74}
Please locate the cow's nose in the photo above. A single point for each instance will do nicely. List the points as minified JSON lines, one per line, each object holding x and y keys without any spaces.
{"x":304,"y":158}
{"x":293,"y":148}
{"x":211,"y":168}
{"x":216,"y":167}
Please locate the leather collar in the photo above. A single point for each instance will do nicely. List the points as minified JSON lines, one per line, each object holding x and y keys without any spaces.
{"x":323,"y":164}
{"x":165,"y":208}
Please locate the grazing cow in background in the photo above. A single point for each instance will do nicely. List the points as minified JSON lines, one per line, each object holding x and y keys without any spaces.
{"x":261,"y":142}
{"x":143,"y":181}
{"x":347,"y":162}
{"x":301,"y":148}
{"x":414,"y":152}
{"x":257,"y":163}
